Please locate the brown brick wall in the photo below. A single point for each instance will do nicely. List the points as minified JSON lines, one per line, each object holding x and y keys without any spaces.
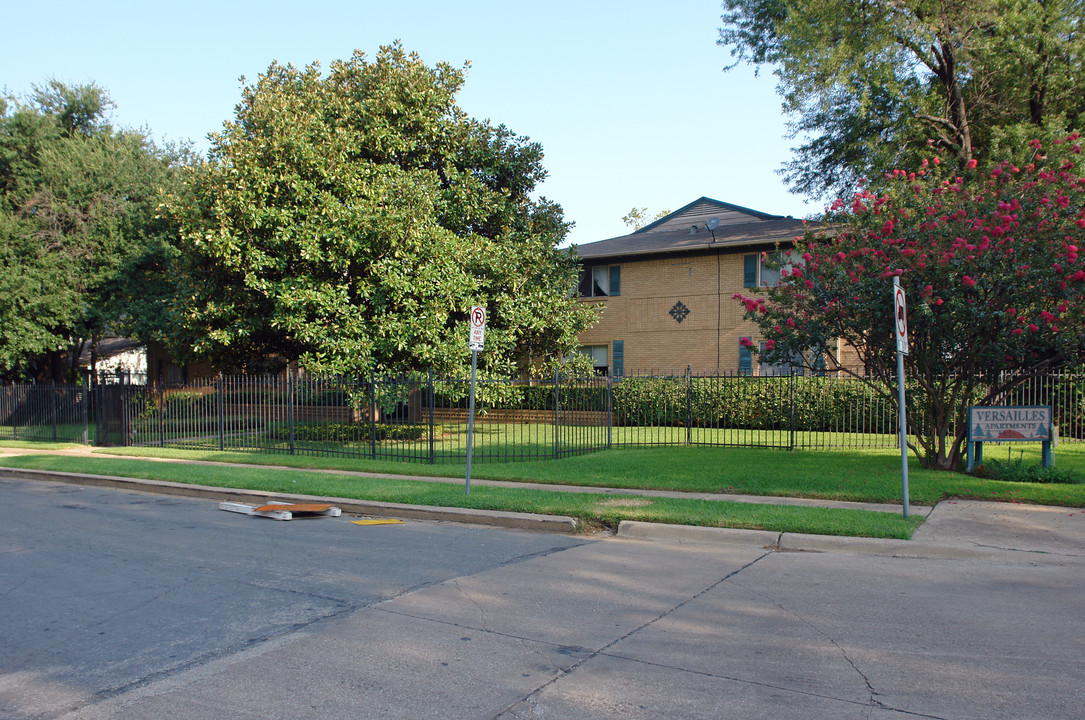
{"x":707,"y":339}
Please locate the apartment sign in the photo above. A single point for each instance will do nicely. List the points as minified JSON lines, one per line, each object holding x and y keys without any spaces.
{"x":1002,"y":424}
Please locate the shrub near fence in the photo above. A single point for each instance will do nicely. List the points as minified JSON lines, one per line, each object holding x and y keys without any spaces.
{"x":822,"y":409}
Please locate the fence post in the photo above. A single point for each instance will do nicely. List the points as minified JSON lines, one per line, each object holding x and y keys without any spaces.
{"x":610,"y":412}
{"x":689,"y":405}
{"x":430,"y":406}
{"x":372,"y":415}
{"x":557,"y":414}
{"x":125,"y":379}
{"x":86,"y":404}
{"x":290,"y":405}
{"x":53,"y":393}
{"x":221,"y":412}
{"x":792,"y":393}
{"x":162,"y":411}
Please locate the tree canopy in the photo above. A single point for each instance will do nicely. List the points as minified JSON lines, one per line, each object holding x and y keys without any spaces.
{"x":82,"y":249}
{"x":870,"y":84}
{"x":350,"y":220}
{"x":638,"y":217}
{"x":993,"y":266}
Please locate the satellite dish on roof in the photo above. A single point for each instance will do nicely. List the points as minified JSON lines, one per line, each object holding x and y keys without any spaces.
{"x":711,"y":225}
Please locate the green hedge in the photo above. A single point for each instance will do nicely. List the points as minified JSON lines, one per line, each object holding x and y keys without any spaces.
{"x":348,"y":432}
{"x":751,"y":402}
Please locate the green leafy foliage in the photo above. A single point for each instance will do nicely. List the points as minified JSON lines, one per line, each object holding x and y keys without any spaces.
{"x":991,"y":266}
{"x":869,"y":84}
{"x":805,"y":403}
{"x":1017,"y":471}
{"x":351,"y":220}
{"x":82,"y":249}
{"x":349,"y":432}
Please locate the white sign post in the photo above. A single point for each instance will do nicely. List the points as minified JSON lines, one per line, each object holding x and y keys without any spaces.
{"x":900,"y":331}
{"x":475,"y":341}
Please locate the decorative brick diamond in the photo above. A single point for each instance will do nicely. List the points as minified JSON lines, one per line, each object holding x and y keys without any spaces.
{"x":679,"y":311}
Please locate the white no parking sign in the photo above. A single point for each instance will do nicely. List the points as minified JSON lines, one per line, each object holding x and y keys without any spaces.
{"x":478,"y":329}
{"x":900,"y":317}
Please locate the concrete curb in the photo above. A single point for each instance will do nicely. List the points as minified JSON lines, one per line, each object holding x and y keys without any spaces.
{"x":798,"y":542}
{"x":694,"y":535}
{"x":497,"y":518}
{"x":627,"y":529}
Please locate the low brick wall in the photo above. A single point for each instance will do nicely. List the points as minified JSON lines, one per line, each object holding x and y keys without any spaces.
{"x":302,"y":413}
{"x":322,"y":413}
{"x":502,"y":415}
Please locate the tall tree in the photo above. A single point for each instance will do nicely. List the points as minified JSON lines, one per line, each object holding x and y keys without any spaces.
{"x":350,"y":220}
{"x":871,"y":84}
{"x":638,"y":217}
{"x":81,"y":236}
{"x":993,"y":265}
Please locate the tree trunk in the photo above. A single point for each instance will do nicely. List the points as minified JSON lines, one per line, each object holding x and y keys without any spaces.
{"x":958,"y":112}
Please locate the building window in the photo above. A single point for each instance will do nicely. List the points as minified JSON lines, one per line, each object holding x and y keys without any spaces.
{"x":601,"y":281}
{"x":792,"y":366}
{"x":598,"y":355}
{"x":756,"y":270}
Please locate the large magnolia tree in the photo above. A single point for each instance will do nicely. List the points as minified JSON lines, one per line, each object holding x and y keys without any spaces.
{"x":351,"y":219}
{"x":993,"y":265}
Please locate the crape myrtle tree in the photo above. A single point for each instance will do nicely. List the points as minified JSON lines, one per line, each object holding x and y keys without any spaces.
{"x":83,"y":251}
{"x":868,"y":83}
{"x":993,"y":267}
{"x":350,"y":220}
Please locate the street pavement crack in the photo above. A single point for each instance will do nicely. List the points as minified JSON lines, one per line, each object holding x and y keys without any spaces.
{"x":874,"y":700}
{"x":471,"y":599}
{"x":603,"y":650}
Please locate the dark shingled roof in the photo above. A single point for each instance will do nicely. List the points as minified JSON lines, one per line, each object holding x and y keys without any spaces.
{"x":758,"y":232}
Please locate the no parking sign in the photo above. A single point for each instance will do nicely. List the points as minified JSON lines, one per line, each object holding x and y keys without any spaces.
{"x":477,"y":337}
{"x":900,"y":318}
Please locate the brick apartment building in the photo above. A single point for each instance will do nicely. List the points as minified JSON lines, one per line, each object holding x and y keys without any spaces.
{"x":668,"y":288}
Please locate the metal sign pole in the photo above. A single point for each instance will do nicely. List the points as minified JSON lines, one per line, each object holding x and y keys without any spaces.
{"x":476,"y":337}
{"x":471,"y":422}
{"x":900,"y":320}
{"x":903,"y":431}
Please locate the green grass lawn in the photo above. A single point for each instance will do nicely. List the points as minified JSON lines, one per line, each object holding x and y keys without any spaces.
{"x":857,"y":475}
{"x":591,"y":509}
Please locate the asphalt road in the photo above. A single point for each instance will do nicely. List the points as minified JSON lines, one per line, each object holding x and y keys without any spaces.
{"x":116,"y":604}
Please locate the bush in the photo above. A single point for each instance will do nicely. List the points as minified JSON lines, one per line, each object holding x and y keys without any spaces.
{"x":760,"y":403}
{"x":348,"y":432}
{"x":1017,"y":471}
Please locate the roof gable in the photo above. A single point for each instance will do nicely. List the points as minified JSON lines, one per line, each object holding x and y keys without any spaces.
{"x":685,"y":231}
{"x":700,"y":211}
{"x":725,"y":237}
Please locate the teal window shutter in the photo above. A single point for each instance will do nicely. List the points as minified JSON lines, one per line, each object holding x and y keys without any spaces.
{"x":749,"y":271}
{"x":745,"y":359}
{"x":615,"y":280}
{"x":617,"y":354}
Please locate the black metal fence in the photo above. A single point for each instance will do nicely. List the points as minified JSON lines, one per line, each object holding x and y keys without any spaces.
{"x":56,"y":413}
{"x":413,"y":418}
{"x":423,"y":418}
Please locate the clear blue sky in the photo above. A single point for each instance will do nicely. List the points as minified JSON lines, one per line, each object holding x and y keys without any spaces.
{"x":628,"y":99}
